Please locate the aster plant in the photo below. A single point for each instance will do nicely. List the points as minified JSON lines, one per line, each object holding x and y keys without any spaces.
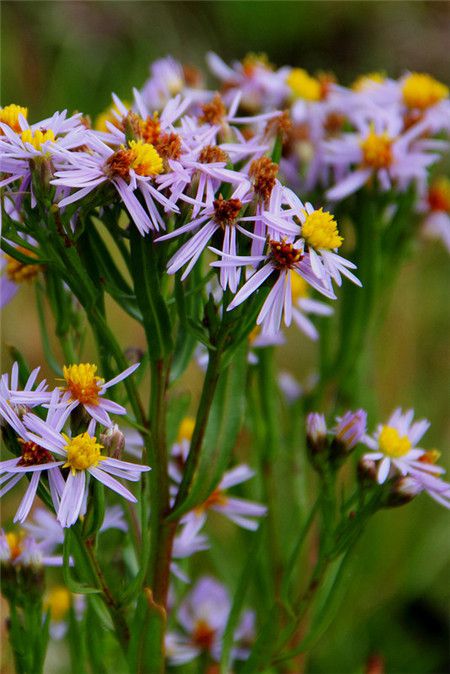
{"x":213,"y":219}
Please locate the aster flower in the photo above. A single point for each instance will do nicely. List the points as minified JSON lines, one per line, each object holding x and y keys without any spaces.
{"x":129,"y":168}
{"x":380,"y":149}
{"x":21,"y":143}
{"x":394,"y":447}
{"x":82,"y":455}
{"x":49,"y":534}
{"x":221,"y":214}
{"x":31,"y":394}
{"x":20,"y":549}
{"x":203,"y":615}
{"x":240,"y":511}
{"x":86,"y":388}
{"x":168,"y":78}
{"x":282,"y":258}
{"x":35,"y":459}
{"x":261,"y":87}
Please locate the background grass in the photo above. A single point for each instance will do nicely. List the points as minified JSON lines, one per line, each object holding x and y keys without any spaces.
{"x":71,"y":55}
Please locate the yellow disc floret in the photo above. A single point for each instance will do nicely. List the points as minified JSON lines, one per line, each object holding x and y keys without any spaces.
{"x":377,"y":150}
{"x":299,"y":287}
{"x":439,"y":194}
{"x":18,"y":271}
{"x":82,"y":382}
{"x":368,"y":81}
{"x":186,"y":429}
{"x":421,"y":91}
{"x":109,"y":116}
{"x":58,"y":601}
{"x":392,"y":443}
{"x":15,"y":540}
{"x":10,"y":115}
{"x":144,"y":158}
{"x":320,"y":230}
{"x":303,"y":85}
{"x":38,"y":137}
{"x":83,"y":451}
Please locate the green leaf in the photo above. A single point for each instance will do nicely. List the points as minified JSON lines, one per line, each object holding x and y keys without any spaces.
{"x":221,"y":433}
{"x":146,"y":652}
{"x":238,"y":602}
{"x":80,"y":564}
{"x":146,"y":279}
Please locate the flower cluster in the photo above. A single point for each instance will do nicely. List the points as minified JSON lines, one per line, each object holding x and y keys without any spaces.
{"x":395,"y":458}
{"x":63,"y":462}
{"x":214,"y":219}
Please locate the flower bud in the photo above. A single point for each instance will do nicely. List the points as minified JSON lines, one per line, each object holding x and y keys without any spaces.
{"x":350,"y":429}
{"x":113,"y":440}
{"x":316,"y":432}
{"x":316,"y":440}
{"x":403,"y":491}
{"x":367,"y":471}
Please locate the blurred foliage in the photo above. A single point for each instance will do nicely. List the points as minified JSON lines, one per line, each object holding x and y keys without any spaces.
{"x":73,"y":54}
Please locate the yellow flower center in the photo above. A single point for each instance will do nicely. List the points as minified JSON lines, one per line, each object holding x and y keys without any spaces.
{"x":38,"y":137}
{"x":320,"y":230}
{"x":186,"y":429}
{"x":58,"y":601}
{"x":392,"y":443}
{"x":439,"y":195}
{"x":144,"y":158}
{"x":10,"y":115}
{"x":82,"y":382}
{"x":108,"y":116}
{"x":299,"y":287}
{"x":14,"y":541}
{"x":83,"y":451}
{"x":422,"y":91}
{"x":377,"y":150}
{"x":368,"y":81}
{"x":17,"y":271}
{"x":303,"y":85}
{"x":217,"y":498}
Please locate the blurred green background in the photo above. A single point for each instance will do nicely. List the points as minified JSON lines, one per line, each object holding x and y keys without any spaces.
{"x":57,"y":55}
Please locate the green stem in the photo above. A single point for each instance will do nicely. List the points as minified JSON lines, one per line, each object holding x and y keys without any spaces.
{"x":204,"y":408}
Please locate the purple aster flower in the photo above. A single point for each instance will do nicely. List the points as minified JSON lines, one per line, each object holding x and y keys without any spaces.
{"x":30,"y":396}
{"x":221,"y":214}
{"x":168,"y":78}
{"x":382,"y":150}
{"x":49,"y":534}
{"x":35,"y":459}
{"x":240,"y":511}
{"x":87,"y":389}
{"x":203,"y":615}
{"x":20,"y":549}
{"x":129,"y":168}
{"x":82,"y":454}
{"x":394,"y":447}
{"x":261,"y":87}
{"x":37,"y":142}
{"x":283,"y":257}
